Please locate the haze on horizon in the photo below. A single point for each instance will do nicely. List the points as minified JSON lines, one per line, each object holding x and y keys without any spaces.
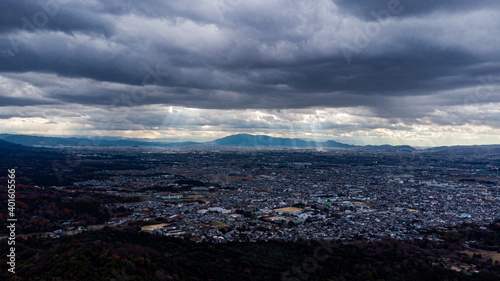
{"x":421,"y":73}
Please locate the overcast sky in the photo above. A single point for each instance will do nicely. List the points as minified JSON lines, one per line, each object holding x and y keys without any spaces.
{"x":423,"y":73}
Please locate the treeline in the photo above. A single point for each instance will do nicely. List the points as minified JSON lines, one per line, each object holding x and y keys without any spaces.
{"x":486,"y":239}
{"x":42,"y":210}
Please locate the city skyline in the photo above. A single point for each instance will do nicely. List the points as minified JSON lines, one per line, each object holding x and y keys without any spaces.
{"x":394,"y":72}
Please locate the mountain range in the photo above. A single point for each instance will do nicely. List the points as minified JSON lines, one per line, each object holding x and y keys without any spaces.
{"x":262,"y":140}
{"x":240,"y":140}
{"x":11,"y":142}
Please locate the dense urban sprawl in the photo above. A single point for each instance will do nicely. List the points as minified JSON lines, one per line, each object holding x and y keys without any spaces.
{"x":288,"y":195}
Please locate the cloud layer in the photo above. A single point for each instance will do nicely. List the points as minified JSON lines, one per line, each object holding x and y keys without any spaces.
{"x":390,"y":70}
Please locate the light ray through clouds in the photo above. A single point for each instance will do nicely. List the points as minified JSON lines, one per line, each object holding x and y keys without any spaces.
{"x":422,"y":73}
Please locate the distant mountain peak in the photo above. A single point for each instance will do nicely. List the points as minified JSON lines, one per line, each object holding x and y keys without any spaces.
{"x":264,"y":141}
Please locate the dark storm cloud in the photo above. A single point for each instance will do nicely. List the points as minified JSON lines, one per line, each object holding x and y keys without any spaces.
{"x":229,"y":54}
{"x":390,"y":74}
{"x":32,"y":16}
{"x":327,"y":83}
{"x":368,"y":9}
{"x":15,"y":101}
